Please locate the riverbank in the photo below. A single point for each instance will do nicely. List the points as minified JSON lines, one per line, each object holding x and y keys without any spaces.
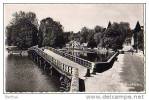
{"x":127,"y":74}
{"x":133,"y":71}
{"x":14,"y":50}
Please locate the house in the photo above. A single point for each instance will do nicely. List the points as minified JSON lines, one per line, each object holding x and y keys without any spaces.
{"x":73,"y":44}
{"x":84,"y":45}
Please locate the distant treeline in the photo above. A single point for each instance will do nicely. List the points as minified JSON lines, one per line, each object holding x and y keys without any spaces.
{"x":24,"y":32}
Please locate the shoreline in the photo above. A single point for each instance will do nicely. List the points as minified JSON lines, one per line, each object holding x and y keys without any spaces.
{"x":114,"y":79}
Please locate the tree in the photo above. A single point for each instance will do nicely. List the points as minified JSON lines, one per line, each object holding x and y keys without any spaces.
{"x":138,"y":27}
{"x":98,"y":34}
{"x":9,"y":35}
{"x":115,"y":36}
{"x":109,"y":25}
{"x":138,"y":37}
{"x":92,"y":43}
{"x":22,"y":30}
{"x":51,"y":33}
{"x":67,"y":37}
{"x":98,"y":29}
{"x":84,"y":34}
{"x":141,"y":40}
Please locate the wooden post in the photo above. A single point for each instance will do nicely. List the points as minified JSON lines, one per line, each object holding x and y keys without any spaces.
{"x":94,"y":71}
{"x":88,"y":73}
{"x":93,"y":67}
{"x":37,"y":59}
{"x":40,"y":61}
{"x":51,"y":71}
{"x":33,"y":56}
{"x":44,"y":65}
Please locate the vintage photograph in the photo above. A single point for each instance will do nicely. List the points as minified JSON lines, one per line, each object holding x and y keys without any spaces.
{"x":73,"y":48}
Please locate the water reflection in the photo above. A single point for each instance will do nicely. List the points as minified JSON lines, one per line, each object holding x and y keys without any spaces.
{"x":91,"y":56}
{"x":23,"y":75}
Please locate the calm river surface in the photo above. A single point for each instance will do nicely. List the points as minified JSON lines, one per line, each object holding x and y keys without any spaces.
{"x":23,"y":75}
{"x":91,"y":56}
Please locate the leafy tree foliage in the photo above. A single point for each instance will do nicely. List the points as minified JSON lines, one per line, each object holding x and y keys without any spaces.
{"x":98,"y":34}
{"x":138,"y":37}
{"x":68,"y":36}
{"x":138,"y":27}
{"x":112,"y":37}
{"x":115,"y":35}
{"x":109,"y":25}
{"x":22,"y":30}
{"x":84,"y":34}
{"x":141,"y":40}
{"x":92,"y":43}
{"x":51,"y":33}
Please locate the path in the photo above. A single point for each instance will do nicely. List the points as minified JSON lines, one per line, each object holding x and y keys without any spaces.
{"x":127,"y":74}
{"x":133,"y":71}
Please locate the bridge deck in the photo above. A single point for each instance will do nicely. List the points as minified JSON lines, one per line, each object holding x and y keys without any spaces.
{"x":82,"y":70}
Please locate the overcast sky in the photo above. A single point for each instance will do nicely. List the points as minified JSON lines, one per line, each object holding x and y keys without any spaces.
{"x":74,"y":16}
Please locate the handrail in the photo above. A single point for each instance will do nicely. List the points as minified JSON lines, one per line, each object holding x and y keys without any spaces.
{"x":66,"y":68}
{"x":73,"y":72}
{"x":78,"y":60}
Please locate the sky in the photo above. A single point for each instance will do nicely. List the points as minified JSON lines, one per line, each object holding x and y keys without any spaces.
{"x":75,"y":16}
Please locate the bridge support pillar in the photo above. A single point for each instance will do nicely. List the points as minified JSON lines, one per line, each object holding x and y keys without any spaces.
{"x":33,"y":56}
{"x":64,"y":83}
{"x":88,"y":73}
{"x":50,"y":70}
{"x":40,"y":61}
{"x":37,"y":59}
{"x":94,"y":71}
{"x":44,"y":65}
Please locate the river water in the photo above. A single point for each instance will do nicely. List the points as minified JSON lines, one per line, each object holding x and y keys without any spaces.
{"x":91,"y":56}
{"x":23,"y":75}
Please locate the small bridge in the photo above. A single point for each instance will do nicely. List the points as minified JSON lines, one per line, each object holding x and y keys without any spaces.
{"x":71,"y":68}
{"x":67,"y":65}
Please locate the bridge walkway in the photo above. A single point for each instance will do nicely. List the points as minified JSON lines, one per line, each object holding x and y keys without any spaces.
{"x":81,"y":69}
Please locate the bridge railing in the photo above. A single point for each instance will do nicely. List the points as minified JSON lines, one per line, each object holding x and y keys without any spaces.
{"x":73,"y":72}
{"x":66,"y":68}
{"x":78,"y":60}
